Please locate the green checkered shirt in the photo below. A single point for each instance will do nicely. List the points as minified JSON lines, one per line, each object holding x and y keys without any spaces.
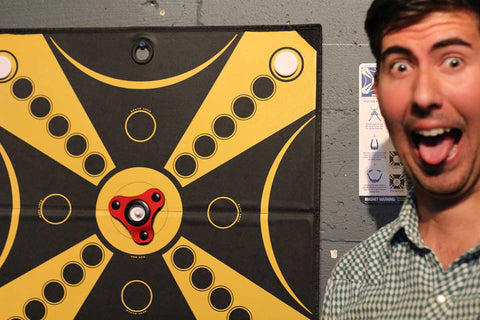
{"x":394,"y":275}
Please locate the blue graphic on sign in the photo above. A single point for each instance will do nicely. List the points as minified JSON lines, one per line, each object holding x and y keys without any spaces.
{"x":374,"y":175}
{"x":374,"y":143}
{"x":374,"y":114}
{"x":368,"y":78}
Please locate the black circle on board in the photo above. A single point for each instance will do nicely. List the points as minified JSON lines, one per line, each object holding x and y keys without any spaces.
{"x":224,"y":127}
{"x":54,"y":292}
{"x":223,"y":212}
{"x":263,"y":87}
{"x":204,"y":146}
{"x":55,"y":209}
{"x":35,"y":310}
{"x":137,"y":296}
{"x":94,"y":164}
{"x":141,"y":126}
{"x":58,"y":126}
{"x":73,"y":274}
{"x":92,"y":255}
{"x":202,"y":278}
{"x":185,"y":165}
{"x":142,"y":51}
{"x":220,"y":298}
{"x":40,"y":107}
{"x":243,"y":107}
{"x":144,"y":235}
{"x":76,"y":145}
{"x":22,"y":88}
{"x":239,"y":313}
{"x":183,"y":258}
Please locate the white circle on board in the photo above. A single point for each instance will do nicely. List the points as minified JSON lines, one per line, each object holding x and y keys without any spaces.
{"x":286,"y":64}
{"x":5,"y":67}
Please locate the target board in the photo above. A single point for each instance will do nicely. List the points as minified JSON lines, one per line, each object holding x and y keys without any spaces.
{"x":159,"y":173}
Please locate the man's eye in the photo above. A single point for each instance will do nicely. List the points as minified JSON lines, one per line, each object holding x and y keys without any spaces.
{"x":400,"y":67}
{"x":453,"y":62}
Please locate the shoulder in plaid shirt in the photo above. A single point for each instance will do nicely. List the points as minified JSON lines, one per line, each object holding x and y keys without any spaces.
{"x":394,"y":275}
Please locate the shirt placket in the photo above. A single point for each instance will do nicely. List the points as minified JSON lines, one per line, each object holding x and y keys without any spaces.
{"x":441,"y":300}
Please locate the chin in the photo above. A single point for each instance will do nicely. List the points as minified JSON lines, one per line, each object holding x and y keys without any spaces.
{"x":441,"y":188}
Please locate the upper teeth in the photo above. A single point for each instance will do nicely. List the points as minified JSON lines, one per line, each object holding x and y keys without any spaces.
{"x":433,"y":132}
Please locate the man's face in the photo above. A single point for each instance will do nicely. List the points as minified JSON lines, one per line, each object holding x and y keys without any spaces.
{"x":428,"y":87}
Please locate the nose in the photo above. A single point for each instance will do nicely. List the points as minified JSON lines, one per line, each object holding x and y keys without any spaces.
{"x":426,"y":93}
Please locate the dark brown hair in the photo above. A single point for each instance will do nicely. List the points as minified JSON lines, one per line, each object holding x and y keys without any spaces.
{"x":385,"y":16}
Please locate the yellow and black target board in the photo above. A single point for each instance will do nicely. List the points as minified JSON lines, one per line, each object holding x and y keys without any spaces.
{"x":160,"y":173}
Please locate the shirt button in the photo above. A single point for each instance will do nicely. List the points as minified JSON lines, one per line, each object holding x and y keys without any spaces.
{"x":441,"y":298}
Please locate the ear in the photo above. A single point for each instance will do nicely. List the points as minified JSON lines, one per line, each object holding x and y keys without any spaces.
{"x":375,"y":79}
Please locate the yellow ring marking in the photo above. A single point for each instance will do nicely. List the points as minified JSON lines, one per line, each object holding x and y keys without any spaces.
{"x":194,"y":258}
{"x":240,"y":307}
{"x":31,"y":94}
{"x":175,"y":161}
{"x":12,"y":232}
{"x":128,"y":84}
{"x":264,"y":215}
{"x":39,"y":300}
{"x":85,"y":169}
{"x":149,"y":289}
{"x":68,"y":129}
{"x":201,"y":136}
{"x":64,"y":291}
{"x":131,"y":182}
{"x":191,"y":280}
{"x":83,"y":260}
{"x":274,"y":87}
{"x":154,"y":126}
{"x":83,"y":276}
{"x":55,"y":195}
{"x":226,"y":116}
{"x":30,"y":107}
{"x":86,"y":147}
{"x":210,"y":302}
{"x":254,"y":107}
{"x":230,"y":225}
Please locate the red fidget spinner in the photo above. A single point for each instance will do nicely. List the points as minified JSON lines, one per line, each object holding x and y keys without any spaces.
{"x":137,"y":213}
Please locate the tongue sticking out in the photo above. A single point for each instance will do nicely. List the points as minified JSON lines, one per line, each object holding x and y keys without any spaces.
{"x":435,"y":150}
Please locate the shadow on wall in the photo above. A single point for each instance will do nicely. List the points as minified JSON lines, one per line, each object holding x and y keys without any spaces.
{"x":383,"y":214}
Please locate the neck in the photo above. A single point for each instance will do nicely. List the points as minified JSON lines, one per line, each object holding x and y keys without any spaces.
{"x":449,"y":227}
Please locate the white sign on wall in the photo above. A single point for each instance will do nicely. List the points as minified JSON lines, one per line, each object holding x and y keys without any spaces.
{"x":381,"y":175}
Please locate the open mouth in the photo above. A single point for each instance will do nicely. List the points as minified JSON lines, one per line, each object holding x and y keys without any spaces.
{"x":435,"y":146}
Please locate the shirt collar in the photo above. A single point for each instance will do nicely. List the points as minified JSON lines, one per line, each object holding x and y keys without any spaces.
{"x":407,"y":222}
{"x":405,"y":227}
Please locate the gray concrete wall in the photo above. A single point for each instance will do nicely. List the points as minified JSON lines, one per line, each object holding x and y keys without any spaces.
{"x":344,"y":219}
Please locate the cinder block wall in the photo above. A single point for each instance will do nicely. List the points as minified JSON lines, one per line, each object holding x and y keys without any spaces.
{"x":345,"y":221}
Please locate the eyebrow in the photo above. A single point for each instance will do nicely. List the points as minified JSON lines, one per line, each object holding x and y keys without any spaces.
{"x":450,"y":42}
{"x":395,"y":49}
{"x":437,"y":45}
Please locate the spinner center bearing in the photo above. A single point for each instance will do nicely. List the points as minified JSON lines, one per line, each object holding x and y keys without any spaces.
{"x":137,"y":213}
